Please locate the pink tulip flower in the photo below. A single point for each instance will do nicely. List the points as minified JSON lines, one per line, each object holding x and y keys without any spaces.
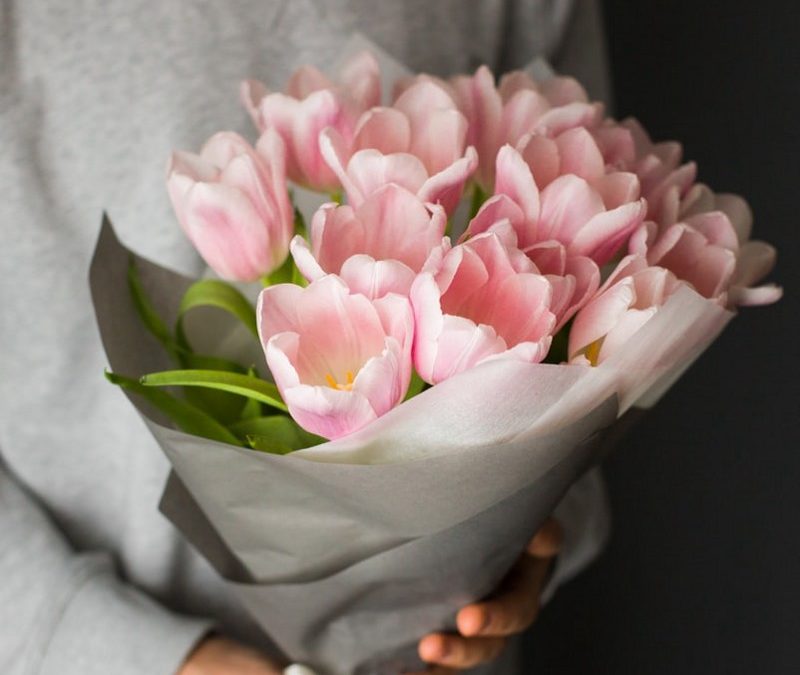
{"x":233,"y":204}
{"x":569,"y":210}
{"x":518,"y":106}
{"x":480,"y":300}
{"x":339,"y":359}
{"x":370,"y":169}
{"x":629,"y":299}
{"x":377,"y":247}
{"x":312,"y":103}
{"x":704,"y":250}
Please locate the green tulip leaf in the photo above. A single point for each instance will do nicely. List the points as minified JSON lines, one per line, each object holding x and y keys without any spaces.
{"x":234,"y":383}
{"x":183,"y":414}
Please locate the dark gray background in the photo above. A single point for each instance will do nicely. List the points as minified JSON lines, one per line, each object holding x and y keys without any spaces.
{"x":702,"y":574}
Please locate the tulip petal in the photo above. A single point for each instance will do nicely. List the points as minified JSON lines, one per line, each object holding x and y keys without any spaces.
{"x":361,"y":79}
{"x":600,"y":316}
{"x":563,"y":91}
{"x":568,"y":203}
{"x":439,"y":139}
{"x":497,"y":209}
{"x":542,"y":157}
{"x":447,"y":186}
{"x":739,"y":213}
{"x":463,"y":345}
{"x":515,"y":180}
{"x":605,"y":233}
{"x":227,"y":231}
{"x":384,"y":129}
{"x":369,"y":170}
{"x":381,"y":380}
{"x":376,"y":278}
{"x":328,"y":412}
{"x":304,"y":259}
{"x":580,"y":155}
{"x":558,"y":120}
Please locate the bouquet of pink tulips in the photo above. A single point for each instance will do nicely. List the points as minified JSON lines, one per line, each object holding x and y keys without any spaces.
{"x":499,"y":272}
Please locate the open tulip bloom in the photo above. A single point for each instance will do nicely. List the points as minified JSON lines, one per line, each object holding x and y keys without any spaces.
{"x":499,"y":275}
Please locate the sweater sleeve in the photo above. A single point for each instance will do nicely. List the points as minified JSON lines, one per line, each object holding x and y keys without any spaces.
{"x":68,"y":613}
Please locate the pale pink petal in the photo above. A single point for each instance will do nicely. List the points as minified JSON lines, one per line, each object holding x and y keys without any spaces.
{"x":563,"y":292}
{"x":629,"y":324}
{"x":601,"y":237}
{"x":439,"y":139}
{"x":580,"y":155}
{"x":398,"y":226}
{"x":276,"y":313}
{"x":334,"y":151}
{"x":616,"y":143}
{"x":279,"y":112}
{"x":447,"y":186}
{"x":375,"y":278}
{"x":568,"y":203}
{"x":271,"y":148}
{"x":381,"y":379}
{"x":756,"y":260}
{"x":558,"y":120}
{"x":421,"y":98}
{"x":563,"y":90}
{"x":369,"y":170}
{"x":600,"y":316}
{"x":304,"y":259}
{"x":529,"y":352}
{"x":515,"y":180}
{"x":586,"y":275}
{"x":753,"y":297}
{"x":305,"y":81}
{"x":361,"y":79}
{"x":317,"y":112}
{"x":281,"y":353}
{"x":542,"y":157}
{"x":428,"y":323}
{"x":496,"y":209}
{"x":520,"y":311}
{"x":521,"y":114}
{"x":463,"y":345}
{"x":550,"y":256}
{"x":483,"y":108}
{"x":618,"y":188}
{"x":227,"y":231}
{"x":716,"y":228}
{"x":384,"y":129}
{"x":739,"y":213}
{"x":336,"y":234}
{"x":328,"y":412}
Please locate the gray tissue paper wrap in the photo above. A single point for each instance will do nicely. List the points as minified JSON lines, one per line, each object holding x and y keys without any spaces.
{"x":348,"y":552}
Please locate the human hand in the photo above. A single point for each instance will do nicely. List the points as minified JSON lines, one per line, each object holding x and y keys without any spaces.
{"x":484,"y":626}
{"x":217,"y":655}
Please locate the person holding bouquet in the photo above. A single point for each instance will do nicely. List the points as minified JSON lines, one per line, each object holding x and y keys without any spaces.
{"x":94,"y":579}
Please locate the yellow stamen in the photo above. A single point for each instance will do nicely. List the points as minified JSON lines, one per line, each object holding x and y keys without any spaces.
{"x":592,"y":352}
{"x":347,"y":386}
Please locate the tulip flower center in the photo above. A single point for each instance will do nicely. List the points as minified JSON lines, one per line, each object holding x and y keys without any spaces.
{"x":347,"y":386}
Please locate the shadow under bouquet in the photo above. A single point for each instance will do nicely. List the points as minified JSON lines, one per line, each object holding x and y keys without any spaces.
{"x":437,"y":352}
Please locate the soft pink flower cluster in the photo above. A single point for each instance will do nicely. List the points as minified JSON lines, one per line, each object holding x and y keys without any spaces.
{"x":583,"y":219}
